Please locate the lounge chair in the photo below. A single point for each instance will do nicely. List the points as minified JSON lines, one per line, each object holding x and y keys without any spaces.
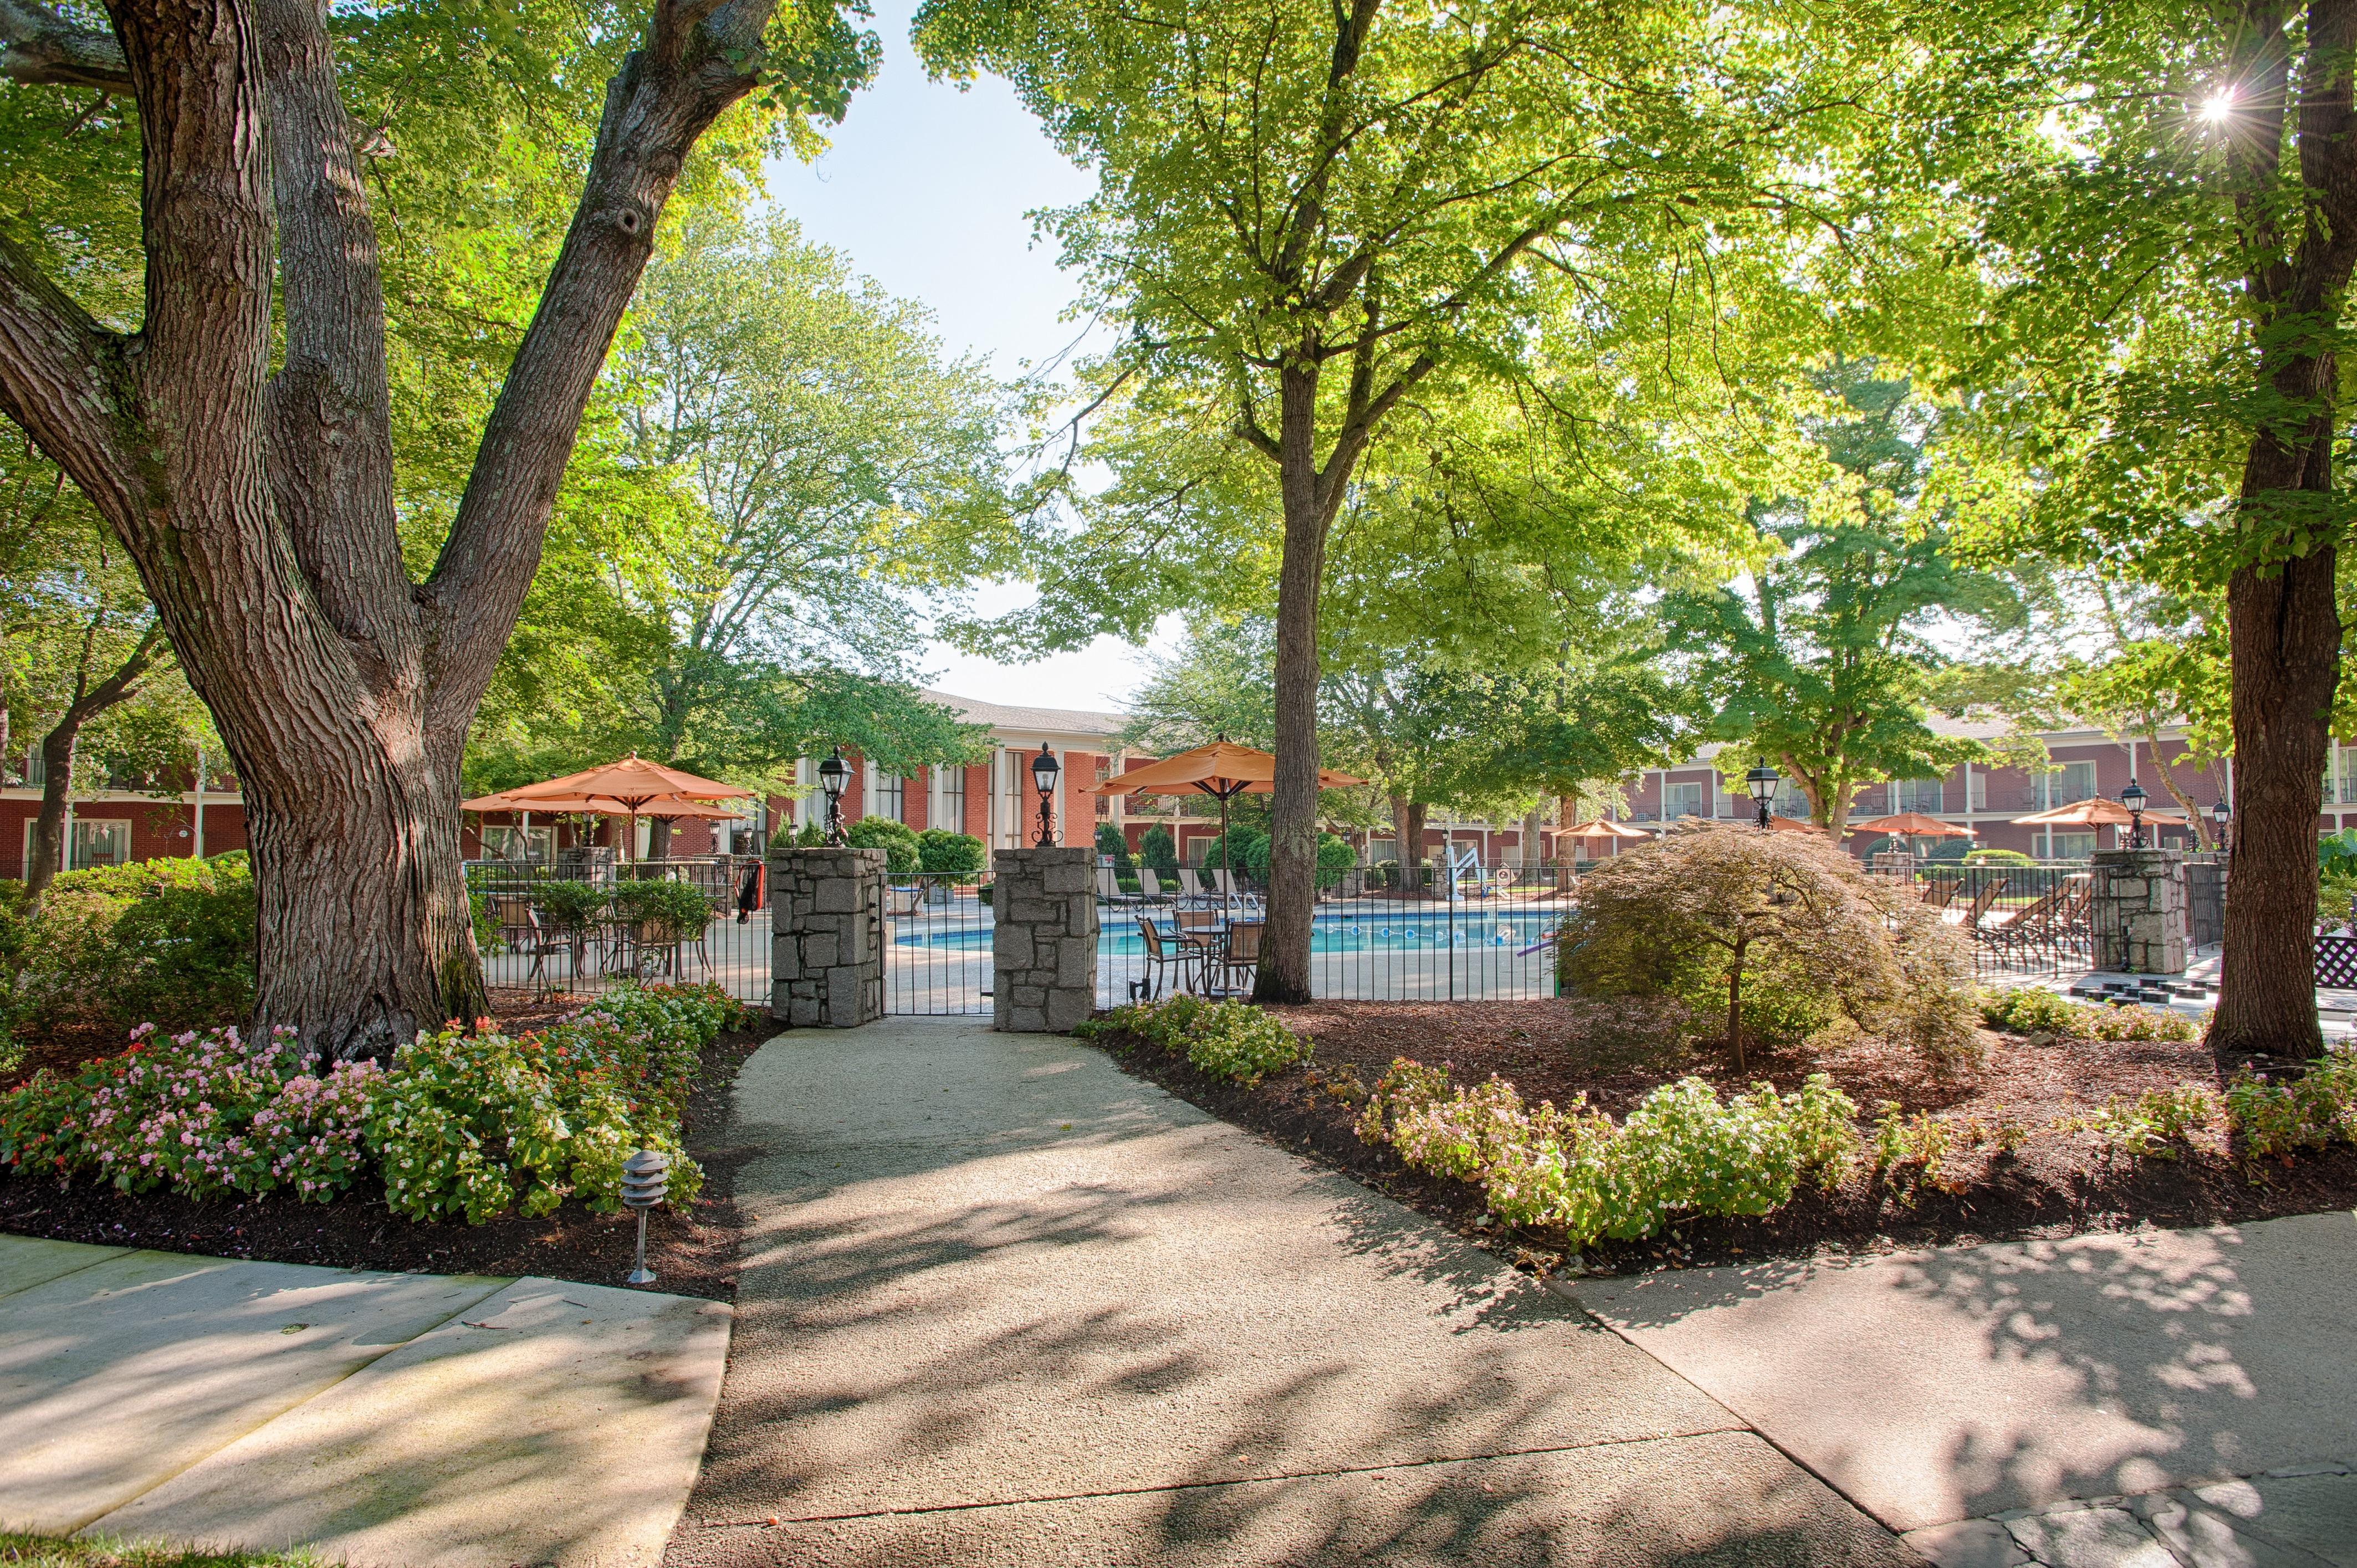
{"x":2032,"y":924}
{"x":1236,"y":897}
{"x":1164,"y":961}
{"x":1236,"y":960}
{"x":1190,"y":888}
{"x":1149,"y":887}
{"x":1109,"y":887}
{"x":1981,"y":902}
{"x":1940,"y":892}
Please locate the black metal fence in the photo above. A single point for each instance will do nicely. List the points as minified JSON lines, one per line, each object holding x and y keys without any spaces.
{"x":579,"y":928}
{"x":937,"y":945}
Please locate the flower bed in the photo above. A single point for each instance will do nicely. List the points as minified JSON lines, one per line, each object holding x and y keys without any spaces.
{"x":1667,"y":1155}
{"x":459,"y":1125}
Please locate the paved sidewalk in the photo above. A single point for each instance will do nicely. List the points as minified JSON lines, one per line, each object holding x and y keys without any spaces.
{"x":2075,"y":1400}
{"x":1003,"y":1303}
{"x":384,"y":1418}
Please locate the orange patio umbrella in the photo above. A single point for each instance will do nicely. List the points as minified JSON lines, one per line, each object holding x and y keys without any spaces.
{"x":2099,"y":812}
{"x":1598,"y":828}
{"x":1223,"y":770}
{"x":632,"y":787}
{"x":1912,"y":826}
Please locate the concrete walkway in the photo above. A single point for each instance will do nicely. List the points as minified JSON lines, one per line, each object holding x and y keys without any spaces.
{"x":2072,"y":1402}
{"x":383,"y":1418}
{"x":1003,"y":1303}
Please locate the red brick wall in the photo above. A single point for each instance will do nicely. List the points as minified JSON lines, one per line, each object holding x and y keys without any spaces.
{"x":978,"y":801}
{"x":159,"y":829}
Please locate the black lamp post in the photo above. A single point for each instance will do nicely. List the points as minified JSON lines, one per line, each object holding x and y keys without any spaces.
{"x":1762,"y":779}
{"x":1043,"y":779}
{"x":833,"y":774}
{"x":2220,"y":815}
{"x":2133,"y":799}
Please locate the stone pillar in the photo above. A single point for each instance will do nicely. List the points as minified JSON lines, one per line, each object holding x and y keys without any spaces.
{"x":1043,"y":938}
{"x":2140,"y":910}
{"x":827,"y":962}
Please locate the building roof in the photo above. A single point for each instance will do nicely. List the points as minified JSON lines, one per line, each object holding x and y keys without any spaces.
{"x":1028,"y":720}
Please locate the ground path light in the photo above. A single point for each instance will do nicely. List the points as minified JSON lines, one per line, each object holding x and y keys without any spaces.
{"x":646,"y":1178}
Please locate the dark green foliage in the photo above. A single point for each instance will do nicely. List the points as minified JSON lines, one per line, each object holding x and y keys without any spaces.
{"x":1159,"y":851}
{"x":942,"y":852}
{"x":115,"y":946}
{"x":1334,"y":855}
{"x":1110,"y":842}
{"x":664,"y":901}
{"x":1997,"y":858}
{"x":897,"y":839}
{"x":1248,"y":845}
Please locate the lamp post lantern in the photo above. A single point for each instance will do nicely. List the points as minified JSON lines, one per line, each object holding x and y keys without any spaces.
{"x":2220,"y":815}
{"x":833,"y":774}
{"x":2133,"y":799}
{"x":1762,"y":779}
{"x":1043,"y":779}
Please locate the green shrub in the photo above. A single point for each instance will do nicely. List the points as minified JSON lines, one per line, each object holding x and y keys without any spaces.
{"x":1159,"y":850}
{"x":567,"y":905}
{"x":1815,"y":937}
{"x":2276,"y":1118}
{"x":1110,"y":842}
{"x":673,"y":903}
{"x":897,"y":839}
{"x":2029,"y":1010}
{"x":1682,"y":1150}
{"x":1227,"y":1039}
{"x":945,"y":853}
{"x":1249,"y":846}
{"x":459,"y":1125}
{"x":1997,"y":858}
{"x":114,"y":946}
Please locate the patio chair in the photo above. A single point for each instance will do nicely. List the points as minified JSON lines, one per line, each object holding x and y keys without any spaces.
{"x":1149,"y":887}
{"x":1940,"y":892}
{"x":1190,"y":887}
{"x":522,"y":933}
{"x":2025,"y":926}
{"x":1981,"y":902}
{"x":1235,"y":897}
{"x":1163,"y":961}
{"x":1109,"y":887}
{"x":1237,"y":961}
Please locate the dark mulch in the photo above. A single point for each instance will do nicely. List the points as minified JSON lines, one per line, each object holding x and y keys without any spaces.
{"x":2057,"y":1183}
{"x":691,"y":1254}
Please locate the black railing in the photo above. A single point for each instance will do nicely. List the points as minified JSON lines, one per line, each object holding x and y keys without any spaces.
{"x":578,"y":928}
{"x":937,"y":932}
{"x":2021,"y":919}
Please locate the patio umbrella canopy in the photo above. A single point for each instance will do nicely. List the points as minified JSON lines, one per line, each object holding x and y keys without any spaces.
{"x":1913,"y":824}
{"x":1598,"y":829}
{"x":632,"y":788}
{"x":2098,"y":812}
{"x":1223,"y":770}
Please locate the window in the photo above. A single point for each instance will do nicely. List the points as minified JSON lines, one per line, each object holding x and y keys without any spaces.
{"x":2068,"y":784}
{"x":2068,"y":846}
{"x":1791,"y":802}
{"x":1682,"y":799}
{"x":953,"y":799}
{"x":97,"y":840}
{"x":1928,"y":796}
{"x":891,"y":794}
{"x":533,"y":844}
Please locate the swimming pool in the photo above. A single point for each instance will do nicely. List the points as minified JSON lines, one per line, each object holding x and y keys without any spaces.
{"x":1402,"y":932}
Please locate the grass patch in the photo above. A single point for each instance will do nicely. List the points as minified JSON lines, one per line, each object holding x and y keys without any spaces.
{"x":45,"y":1551}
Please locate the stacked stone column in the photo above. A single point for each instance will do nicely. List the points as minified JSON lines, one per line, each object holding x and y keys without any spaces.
{"x":1043,"y":943}
{"x":826,"y":906}
{"x":2140,"y":910}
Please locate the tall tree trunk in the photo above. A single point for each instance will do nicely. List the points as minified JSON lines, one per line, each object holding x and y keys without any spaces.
{"x":258,"y":504}
{"x":1735,"y":1006}
{"x":2285,"y":633}
{"x":1284,"y":974}
{"x":49,"y":847}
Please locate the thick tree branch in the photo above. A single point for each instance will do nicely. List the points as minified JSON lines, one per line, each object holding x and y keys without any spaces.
{"x":38,"y":46}
{"x":697,"y":60}
{"x":62,"y":379}
{"x":331,"y":413}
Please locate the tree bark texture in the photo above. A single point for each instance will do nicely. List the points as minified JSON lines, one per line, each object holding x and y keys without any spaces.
{"x":1284,"y":974}
{"x":2283,"y":627}
{"x":2285,"y":635}
{"x":258,"y":507}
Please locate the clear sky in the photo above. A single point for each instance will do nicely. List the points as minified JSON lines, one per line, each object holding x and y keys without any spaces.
{"x":927,"y":189}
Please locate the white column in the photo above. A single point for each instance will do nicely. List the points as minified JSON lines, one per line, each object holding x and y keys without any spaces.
{"x":197,"y":828}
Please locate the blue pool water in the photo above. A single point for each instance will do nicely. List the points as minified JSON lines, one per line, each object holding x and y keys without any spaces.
{"x":1419,"y":929}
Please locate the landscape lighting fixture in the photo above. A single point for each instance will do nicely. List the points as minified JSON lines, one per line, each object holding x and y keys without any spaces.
{"x":833,"y":775}
{"x":2133,"y":799}
{"x":2220,"y":815}
{"x":1043,"y":779}
{"x":1762,"y":779}
{"x":646,"y":1181}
